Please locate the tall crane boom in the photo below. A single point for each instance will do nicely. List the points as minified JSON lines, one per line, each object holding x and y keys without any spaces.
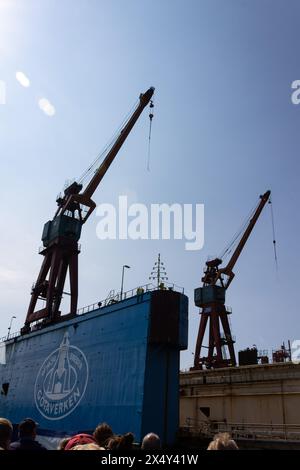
{"x":227,"y":270}
{"x":61,"y":235}
{"x":230,"y":265}
{"x":211,"y":298}
{"x":74,"y":198}
{"x":95,"y":181}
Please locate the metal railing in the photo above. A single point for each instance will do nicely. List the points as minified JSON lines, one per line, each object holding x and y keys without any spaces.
{"x":252,"y":431}
{"x":112,"y":299}
{"x":115,"y":298}
{"x":10,"y":336}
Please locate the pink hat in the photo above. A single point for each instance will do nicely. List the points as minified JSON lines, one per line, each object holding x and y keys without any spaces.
{"x":79,"y":439}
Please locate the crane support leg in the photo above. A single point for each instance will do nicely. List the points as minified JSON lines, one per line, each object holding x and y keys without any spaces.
{"x":61,"y":276}
{"x":38,"y":289}
{"x":58,"y":259}
{"x":214,"y":318}
{"x":216,"y":357}
{"x":229,"y":341}
{"x":73,"y":271}
{"x":202,"y":327}
{"x":211,"y":346}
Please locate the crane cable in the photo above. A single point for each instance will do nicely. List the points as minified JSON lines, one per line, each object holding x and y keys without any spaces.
{"x":228,"y":249}
{"x":273,"y":231}
{"x":150,"y":130}
{"x":107,"y":147}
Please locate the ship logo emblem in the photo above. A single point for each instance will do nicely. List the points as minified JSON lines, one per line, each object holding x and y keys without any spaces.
{"x":61,"y":381}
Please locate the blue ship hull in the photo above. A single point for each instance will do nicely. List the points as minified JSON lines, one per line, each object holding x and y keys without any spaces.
{"x":118,"y":364}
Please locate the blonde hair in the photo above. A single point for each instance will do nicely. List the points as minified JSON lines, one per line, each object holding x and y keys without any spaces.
{"x":6,"y":430}
{"x":223,"y":441}
{"x":89,"y":446}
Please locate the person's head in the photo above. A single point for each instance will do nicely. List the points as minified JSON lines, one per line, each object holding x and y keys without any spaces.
{"x":90,"y":446}
{"x":113,"y":443}
{"x":27,"y":428}
{"x":126,"y":441}
{"x":79,"y":439}
{"x":102,"y":433}
{"x":6,"y":430}
{"x":151,"y":441}
{"x":223,"y":441}
{"x":123,"y":442}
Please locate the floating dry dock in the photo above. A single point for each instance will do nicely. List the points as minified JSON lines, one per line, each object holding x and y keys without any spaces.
{"x":118,"y":364}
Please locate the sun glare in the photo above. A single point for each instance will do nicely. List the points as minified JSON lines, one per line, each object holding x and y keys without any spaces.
{"x":9,"y":25}
{"x":22,"y":79}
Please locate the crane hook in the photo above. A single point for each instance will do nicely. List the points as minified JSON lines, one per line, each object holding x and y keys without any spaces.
{"x":151,"y":106}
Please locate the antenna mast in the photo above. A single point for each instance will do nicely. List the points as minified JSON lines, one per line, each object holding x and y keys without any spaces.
{"x":159,"y":273}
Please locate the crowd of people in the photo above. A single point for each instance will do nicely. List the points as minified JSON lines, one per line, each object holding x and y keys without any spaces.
{"x":103,"y":438}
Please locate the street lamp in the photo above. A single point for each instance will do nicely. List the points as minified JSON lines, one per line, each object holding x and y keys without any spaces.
{"x":122,"y":283}
{"x":9,"y":328}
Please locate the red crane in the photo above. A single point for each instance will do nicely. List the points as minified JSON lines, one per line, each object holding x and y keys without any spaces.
{"x":61,"y":235}
{"x":211,"y":298}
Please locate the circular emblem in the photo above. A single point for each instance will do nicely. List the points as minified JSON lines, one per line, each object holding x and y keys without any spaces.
{"x":61,"y":381}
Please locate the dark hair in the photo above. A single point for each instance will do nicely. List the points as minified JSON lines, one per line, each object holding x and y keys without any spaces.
{"x":27,"y":427}
{"x":102,"y":433}
{"x":112,"y":443}
{"x":120,"y":442}
{"x":126,"y":441}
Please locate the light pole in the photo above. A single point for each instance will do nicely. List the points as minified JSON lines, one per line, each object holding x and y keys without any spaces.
{"x":9,"y":328}
{"x":122,"y":283}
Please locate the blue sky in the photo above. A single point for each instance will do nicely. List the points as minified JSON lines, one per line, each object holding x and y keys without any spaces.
{"x":224,"y":131}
